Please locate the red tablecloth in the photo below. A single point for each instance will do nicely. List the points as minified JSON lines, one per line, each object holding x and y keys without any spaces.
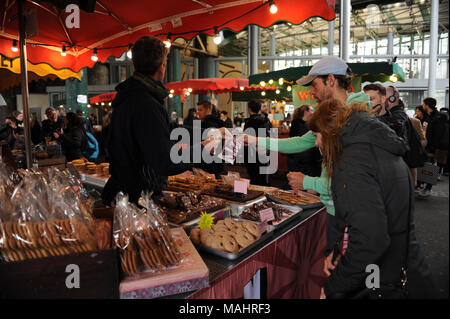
{"x":294,"y":266}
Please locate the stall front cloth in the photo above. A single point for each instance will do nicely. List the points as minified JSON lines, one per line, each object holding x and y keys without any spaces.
{"x":294,"y":266}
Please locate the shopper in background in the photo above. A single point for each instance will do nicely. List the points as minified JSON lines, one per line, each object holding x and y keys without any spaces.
{"x":423,"y":141}
{"x":93,"y":120}
{"x":18,"y":118}
{"x":309,"y":161}
{"x":173,"y":124}
{"x":225,"y":119}
{"x":373,"y":194}
{"x":238,"y":120}
{"x":422,"y":116}
{"x":105,"y":134}
{"x":51,"y":125}
{"x":377,"y":93}
{"x":189,"y":120}
{"x":86,"y":123}
{"x":35,"y":128}
{"x":207,"y":113}
{"x":395,"y":117}
{"x":437,"y":136}
{"x":256,"y":121}
{"x":7,"y":132}
{"x":139,"y":142}
{"x":73,"y":140}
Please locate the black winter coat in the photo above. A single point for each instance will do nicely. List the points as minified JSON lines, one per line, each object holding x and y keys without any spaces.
{"x":139,"y":142}
{"x":437,"y":132}
{"x":73,"y":142}
{"x":396,"y":119}
{"x":373,"y":191}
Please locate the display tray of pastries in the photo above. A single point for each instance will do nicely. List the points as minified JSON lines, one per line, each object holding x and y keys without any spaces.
{"x":280,"y":212}
{"x":184,"y":207}
{"x":191,"y":183}
{"x":303,"y":199}
{"x":229,"y":238}
{"x":226,"y":191}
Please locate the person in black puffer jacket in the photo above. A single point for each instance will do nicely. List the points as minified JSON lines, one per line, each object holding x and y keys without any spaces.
{"x":395,"y":116}
{"x":374,"y":198}
{"x":138,"y":141}
{"x":73,"y":141}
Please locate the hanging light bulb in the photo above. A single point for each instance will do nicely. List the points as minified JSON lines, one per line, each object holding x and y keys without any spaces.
{"x":14,"y":47}
{"x":393,"y":78}
{"x":277,"y":91}
{"x":241,"y":88}
{"x":273,"y":8}
{"x":88,"y":106}
{"x":172,"y":91}
{"x":189,"y":90}
{"x":262,"y":83}
{"x":171,"y":95}
{"x":270,"y":81}
{"x":280,"y":81}
{"x":289,"y":88}
{"x":63,"y":51}
{"x":263,"y":93}
{"x":94,"y":56}
{"x":188,"y":93}
{"x":168,"y":42}
{"x":217,"y":39}
{"x":129,"y":53}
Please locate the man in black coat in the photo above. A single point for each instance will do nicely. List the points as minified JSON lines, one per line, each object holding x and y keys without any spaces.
{"x":436,"y":134}
{"x":395,"y":116}
{"x":52,"y":124}
{"x":139,"y":142}
{"x":255,"y":122}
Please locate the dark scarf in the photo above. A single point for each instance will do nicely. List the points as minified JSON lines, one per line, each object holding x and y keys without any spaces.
{"x":156,"y":88}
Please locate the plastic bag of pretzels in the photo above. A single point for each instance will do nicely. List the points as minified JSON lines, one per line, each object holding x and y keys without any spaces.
{"x":43,"y":217}
{"x":143,"y":237}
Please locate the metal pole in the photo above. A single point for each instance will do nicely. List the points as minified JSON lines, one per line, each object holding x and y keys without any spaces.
{"x":330,"y":37}
{"x":253,"y":49}
{"x":433,"y":48}
{"x":24,"y":77}
{"x":272,"y":50}
{"x":390,"y":45}
{"x":195,"y":77}
{"x":345,"y":29}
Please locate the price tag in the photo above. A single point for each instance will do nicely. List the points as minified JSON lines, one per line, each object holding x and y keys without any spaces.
{"x":240,"y":187}
{"x":266,"y":215}
{"x":247,"y":181}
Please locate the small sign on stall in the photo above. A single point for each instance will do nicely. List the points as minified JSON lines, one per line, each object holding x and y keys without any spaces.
{"x":240,"y":187}
{"x":266,"y":215}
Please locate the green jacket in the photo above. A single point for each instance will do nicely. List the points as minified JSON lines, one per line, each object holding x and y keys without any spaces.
{"x":302,"y":143}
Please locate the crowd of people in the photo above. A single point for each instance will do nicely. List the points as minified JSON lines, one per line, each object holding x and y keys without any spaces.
{"x":72,"y":131}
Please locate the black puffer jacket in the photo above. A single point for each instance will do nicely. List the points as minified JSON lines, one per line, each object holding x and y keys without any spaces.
{"x":437,"y":132}
{"x":373,"y":192}
{"x":73,"y":142}
{"x":396,"y":119}
{"x":139,"y":142}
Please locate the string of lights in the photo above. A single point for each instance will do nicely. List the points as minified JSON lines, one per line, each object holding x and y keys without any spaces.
{"x":217,"y":39}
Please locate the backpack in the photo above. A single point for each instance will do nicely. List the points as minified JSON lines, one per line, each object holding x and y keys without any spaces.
{"x":90,"y":149}
{"x":415,"y":156}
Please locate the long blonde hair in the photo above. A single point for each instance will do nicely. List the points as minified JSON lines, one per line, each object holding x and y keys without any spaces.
{"x":329,"y":118}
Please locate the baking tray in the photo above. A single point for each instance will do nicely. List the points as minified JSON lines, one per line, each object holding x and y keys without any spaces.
{"x":238,"y":208}
{"x":233,"y":256}
{"x":296,"y":209}
{"x":307,"y":206}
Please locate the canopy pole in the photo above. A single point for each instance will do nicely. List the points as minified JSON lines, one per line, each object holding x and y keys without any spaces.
{"x":434,"y":30}
{"x":24,"y":77}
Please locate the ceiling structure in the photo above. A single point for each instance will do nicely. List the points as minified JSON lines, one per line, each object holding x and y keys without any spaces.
{"x":367,"y":22}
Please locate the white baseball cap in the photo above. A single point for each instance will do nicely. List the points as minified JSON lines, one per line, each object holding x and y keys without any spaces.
{"x":325,"y":66}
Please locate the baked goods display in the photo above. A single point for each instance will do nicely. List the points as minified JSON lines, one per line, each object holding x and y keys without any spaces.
{"x":44,"y":215}
{"x":293,"y":199}
{"x":192,"y":183}
{"x":253,"y":212}
{"x":184,"y":207}
{"x":143,"y":237}
{"x":84,"y":166}
{"x":226,"y":191}
{"x":227,"y":235}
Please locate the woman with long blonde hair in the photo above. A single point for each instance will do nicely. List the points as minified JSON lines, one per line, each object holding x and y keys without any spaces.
{"x":373,"y":194}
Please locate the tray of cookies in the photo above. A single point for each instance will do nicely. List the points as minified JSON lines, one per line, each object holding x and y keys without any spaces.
{"x":229,"y":238}
{"x":301,"y":199}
